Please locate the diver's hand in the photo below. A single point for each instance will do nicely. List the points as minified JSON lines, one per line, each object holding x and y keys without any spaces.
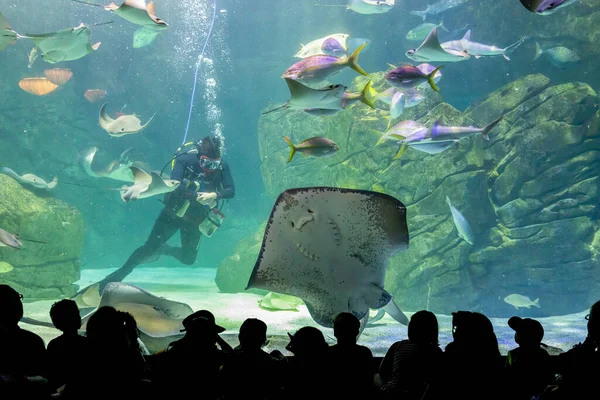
{"x":207,"y":198}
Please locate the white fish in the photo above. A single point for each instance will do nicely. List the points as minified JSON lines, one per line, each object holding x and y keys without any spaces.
{"x":396,"y":107}
{"x":370,"y":6}
{"x":431,"y":50}
{"x":438,"y":7}
{"x":461,"y":223}
{"x":412,"y":96}
{"x":520,"y":301}
{"x":478,"y":50}
{"x":316,"y":46}
{"x":427,"y":69}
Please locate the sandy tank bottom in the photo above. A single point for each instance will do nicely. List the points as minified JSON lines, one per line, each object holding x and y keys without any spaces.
{"x":197,"y":288}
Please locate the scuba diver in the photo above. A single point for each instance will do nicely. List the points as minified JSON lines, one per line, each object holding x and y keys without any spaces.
{"x":192,"y":208}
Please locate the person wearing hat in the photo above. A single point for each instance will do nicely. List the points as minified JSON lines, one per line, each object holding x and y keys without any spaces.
{"x":193,"y":361}
{"x":205,"y":180}
{"x":529,"y":365}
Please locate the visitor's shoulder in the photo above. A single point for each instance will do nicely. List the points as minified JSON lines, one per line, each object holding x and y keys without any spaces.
{"x":31,"y":338}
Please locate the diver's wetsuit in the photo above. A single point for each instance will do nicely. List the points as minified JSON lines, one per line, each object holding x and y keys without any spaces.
{"x":186,"y":170}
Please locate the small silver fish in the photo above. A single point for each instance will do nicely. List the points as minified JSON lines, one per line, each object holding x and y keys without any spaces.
{"x":478,"y":50}
{"x":560,"y":57}
{"x":520,"y":301}
{"x":396,"y":107}
{"x":461,"y":223}
{"x":370,"y":6}
{"x":438,"y":7}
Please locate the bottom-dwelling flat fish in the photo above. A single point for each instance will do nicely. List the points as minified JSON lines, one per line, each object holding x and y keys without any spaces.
{"x":461,"y":223}
{"x":315,"y":147}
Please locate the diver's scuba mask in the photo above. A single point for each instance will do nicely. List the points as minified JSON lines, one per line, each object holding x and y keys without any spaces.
{"x":209,"y":164}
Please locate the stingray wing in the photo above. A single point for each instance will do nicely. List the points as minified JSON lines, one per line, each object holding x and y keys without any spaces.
{"x":330,"y":247}
{"x":105,"y":121}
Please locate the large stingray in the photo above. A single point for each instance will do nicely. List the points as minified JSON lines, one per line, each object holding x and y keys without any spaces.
{"x":156,"y":317}
{"x":30,"y":179}
{"x":137,"y":12}
{"x":146,"y":185}
{"x":124,"y":125}
{"x":431,"y":50}
{"x":65,"y":45}
{"x":303,"y":97}
{"x":330,"y":247}
{"x":116,"y":169}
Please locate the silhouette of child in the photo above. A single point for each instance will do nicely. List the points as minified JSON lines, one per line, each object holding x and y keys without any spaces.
{"x":64,"y":352}
{"x":528,"y":365}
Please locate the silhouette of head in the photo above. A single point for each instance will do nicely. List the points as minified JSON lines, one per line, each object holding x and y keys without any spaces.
{"x":593,"y":324}
{"x":11,"y":307}
{"x":528,"y":332}
{"x":253,"y":334}
{"x":307,"y":341}
{"x":346,"y":327}
{"x":423,"y":328}
{"x":65,"y":315}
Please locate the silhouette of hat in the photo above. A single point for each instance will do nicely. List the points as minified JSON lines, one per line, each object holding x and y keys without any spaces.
{"x":529,"y":330}
{"x":188,"y":321}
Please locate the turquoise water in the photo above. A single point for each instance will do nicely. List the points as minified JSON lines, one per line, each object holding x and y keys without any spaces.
{"x":252,"y":43}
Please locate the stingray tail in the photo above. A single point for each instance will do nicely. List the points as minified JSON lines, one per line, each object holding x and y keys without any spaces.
{"x":353,"y":61}
{"x":431,"y":76}
{"x":292,"y":148}
{"x":489,"y":127}
{"x":32,"y":321}
{"x":508,"y":51}
{"x":88,"y":4}
{"x":283,"y":107}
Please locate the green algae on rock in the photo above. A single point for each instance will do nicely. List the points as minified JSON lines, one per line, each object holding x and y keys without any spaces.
{"x":529,"y":192}
{"x":41,"y":270}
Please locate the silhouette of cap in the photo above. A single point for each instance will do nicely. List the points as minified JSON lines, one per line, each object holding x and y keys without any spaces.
{"x":529,"y":330}
{"x":205,"y":314}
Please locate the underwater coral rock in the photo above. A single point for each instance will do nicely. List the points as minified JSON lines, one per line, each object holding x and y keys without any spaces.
{"x":41,"y":270}
{"x":528,"y":193}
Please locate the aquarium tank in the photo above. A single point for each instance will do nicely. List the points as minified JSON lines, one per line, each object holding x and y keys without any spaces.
{"x":290,"y":160}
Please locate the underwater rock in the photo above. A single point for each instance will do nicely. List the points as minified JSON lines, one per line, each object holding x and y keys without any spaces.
{"x":41,"y":270}
{"x":530,"y":194}
{"x":234,"y":271}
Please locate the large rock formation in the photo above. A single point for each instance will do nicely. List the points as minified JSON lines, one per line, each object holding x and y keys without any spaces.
{"x":41,"y":270}
{"x":530,"y":194}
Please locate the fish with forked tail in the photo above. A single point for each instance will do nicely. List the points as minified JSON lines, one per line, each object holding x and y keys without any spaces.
{"x":520,"y":301}
{"x":315,"y":69}
{"x":315,"y":147}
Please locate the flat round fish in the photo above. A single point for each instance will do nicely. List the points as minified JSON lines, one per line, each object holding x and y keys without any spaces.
{"x":330,"y":247}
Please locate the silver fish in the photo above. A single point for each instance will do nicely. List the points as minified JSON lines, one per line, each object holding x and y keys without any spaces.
{"x":396,"y":107}
{"x":478,"y":50}
{"x":560,"y":57}
{"x":412,"y":96}
{"x":461,"y":223}
{"x":370,"y":6}
{"x":444,"y":133}
{"x":520,"y":301}
{"x":400,"y":131}
{"x":438,"y":7}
